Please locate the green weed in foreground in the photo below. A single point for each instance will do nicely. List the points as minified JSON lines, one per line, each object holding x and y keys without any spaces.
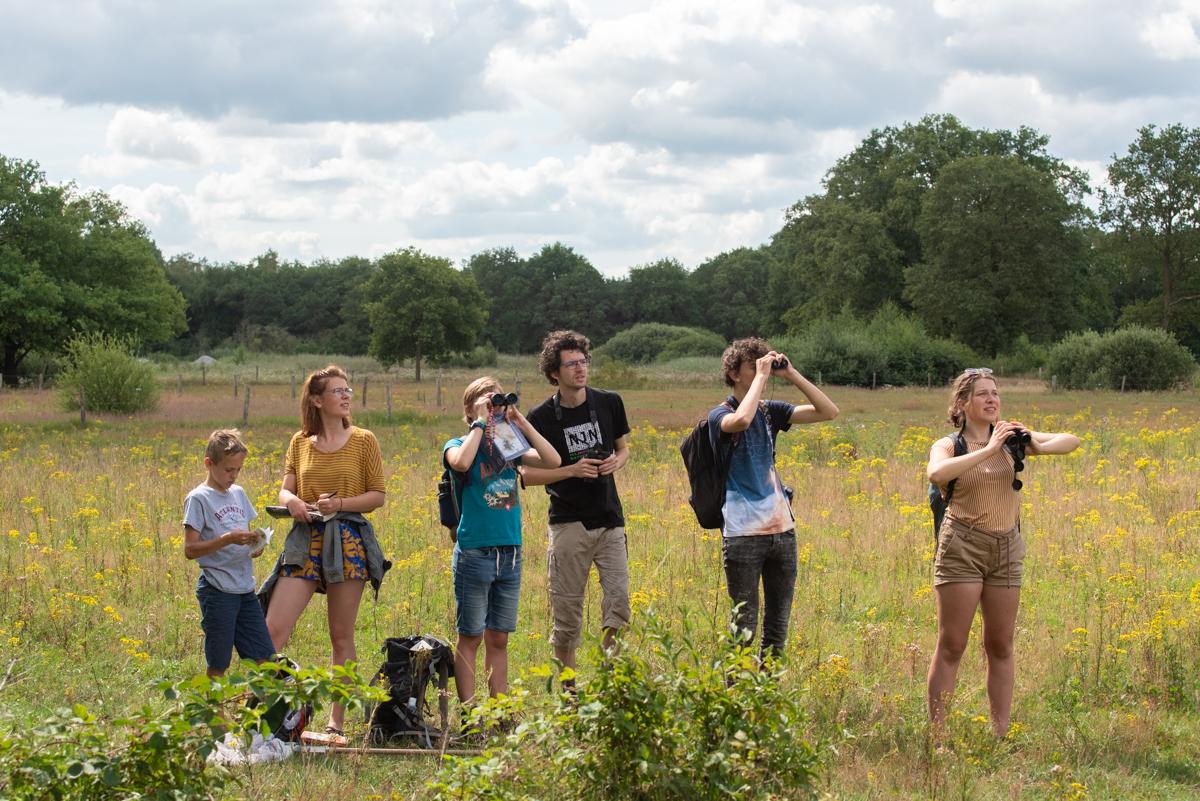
{"x":668,"y":720}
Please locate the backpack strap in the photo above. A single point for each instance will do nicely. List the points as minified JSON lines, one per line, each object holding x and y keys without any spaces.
{"x":960,"y":449}
{"x":556,"y":401}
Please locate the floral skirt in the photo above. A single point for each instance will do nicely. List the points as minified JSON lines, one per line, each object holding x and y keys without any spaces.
{"x":354,"y":556}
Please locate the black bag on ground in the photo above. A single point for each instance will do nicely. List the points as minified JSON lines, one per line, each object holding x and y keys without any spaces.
{"x":938,"y":503}
{"x":411,"y":665}
{"x":707,"y":474}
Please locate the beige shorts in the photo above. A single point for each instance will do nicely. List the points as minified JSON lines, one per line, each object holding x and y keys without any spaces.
{"x":967,"y":554}
{"x":573,"y":550}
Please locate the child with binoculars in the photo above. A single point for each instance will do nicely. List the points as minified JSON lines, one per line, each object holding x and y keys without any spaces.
{"x":487,"y":556}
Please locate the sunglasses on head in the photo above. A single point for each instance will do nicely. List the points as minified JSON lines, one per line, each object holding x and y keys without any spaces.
{"x":977,"y":371}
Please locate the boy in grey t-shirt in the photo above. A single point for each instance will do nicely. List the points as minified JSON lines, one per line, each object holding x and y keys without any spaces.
{"x":216,"y":519}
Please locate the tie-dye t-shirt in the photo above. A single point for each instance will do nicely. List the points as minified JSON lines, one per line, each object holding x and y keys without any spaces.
{"x":491,"y":508}
{"x":755,"y":503}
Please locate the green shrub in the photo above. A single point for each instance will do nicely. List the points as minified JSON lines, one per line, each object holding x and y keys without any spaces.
{"x":111,"y":377}
{"x":479,"y":356}
{"x":1022,"y":357}
{"x":695,"y":342}
{"x":1144,"y":358}
{"x":613,"y":374}
{"x":159,"y":753}
{"x":665,"y":722}
{"x":891,"y":348}
{"x":648,"y":342}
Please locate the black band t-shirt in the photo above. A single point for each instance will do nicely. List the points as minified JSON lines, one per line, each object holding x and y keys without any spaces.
{"x":593,"y":502}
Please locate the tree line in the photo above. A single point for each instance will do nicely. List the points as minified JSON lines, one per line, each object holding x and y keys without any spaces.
{"x":981,"y":236}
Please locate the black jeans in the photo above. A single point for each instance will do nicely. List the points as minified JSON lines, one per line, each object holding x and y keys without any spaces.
{"x":771,"y":557}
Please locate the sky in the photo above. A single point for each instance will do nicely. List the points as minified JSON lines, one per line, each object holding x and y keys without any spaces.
{"x":631,"y":131}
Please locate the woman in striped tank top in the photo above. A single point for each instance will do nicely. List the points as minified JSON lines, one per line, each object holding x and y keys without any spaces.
{"x":333,"y":476}
{"x":980,"y":549}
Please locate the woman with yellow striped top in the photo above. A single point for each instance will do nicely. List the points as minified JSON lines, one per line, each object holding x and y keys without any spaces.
{"x":333,"y":476}
{"x":979,"y":555}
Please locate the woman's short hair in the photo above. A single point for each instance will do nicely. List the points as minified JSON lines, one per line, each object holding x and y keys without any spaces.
{"x":315,"y":385}
{"x":960,"y":394}
{"x":552,"y":347}
{"x":484,"y":385}
{"x":749,"y":349}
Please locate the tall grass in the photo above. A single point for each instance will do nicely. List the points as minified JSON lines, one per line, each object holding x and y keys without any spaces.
{"x":98,"y":599}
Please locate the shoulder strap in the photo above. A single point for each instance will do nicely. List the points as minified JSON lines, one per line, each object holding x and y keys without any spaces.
{"x":960,"y":448}
{"x":587,"y":394}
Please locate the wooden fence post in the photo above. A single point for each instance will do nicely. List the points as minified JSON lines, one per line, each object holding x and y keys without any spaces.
{"x":246,"y":407}
{"x":82,"y":407}
{"x":389,"y":401}
{"x":235,"y":385}
{"x":366,"y":380}
{"x":293,"y":378}
{"x":439,"y":388}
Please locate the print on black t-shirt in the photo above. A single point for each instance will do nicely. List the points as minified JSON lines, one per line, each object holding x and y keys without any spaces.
{"x":592,"y":502}
{"x":580,"y":438}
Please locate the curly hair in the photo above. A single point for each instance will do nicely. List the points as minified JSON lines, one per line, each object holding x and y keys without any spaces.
{"x":960,"y":396}
{"x":314,"y":386}
{"x":223,"y":442}
{"x":742,"y":350}
{"x":552,"y":347}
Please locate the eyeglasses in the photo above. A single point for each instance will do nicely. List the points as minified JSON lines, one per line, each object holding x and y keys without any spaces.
{"x":571,"y":365}
{"x":977,"y":371}
{"x":342,"y":392}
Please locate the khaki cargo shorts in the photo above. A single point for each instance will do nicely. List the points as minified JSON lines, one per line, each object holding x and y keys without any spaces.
{"x":573,"y":549}
{"x":967,"y":554}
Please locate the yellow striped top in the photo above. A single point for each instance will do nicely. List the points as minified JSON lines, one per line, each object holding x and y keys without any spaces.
{"x":352,"y":469}
{"x":984,"y":497}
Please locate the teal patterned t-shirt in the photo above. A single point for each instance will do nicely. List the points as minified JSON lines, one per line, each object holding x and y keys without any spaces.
{"x":491,"y":507}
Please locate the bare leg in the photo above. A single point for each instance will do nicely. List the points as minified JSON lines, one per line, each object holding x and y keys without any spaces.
{"x":344,"y":598}
{"x":956,"y":610}
{"x":288,"y":601}
{"x":465,"y":652}
{"x":999,"y":606}
{"x":495,"y":660}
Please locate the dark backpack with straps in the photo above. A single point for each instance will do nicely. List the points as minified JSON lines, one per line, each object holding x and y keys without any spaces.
{"x":707,"y":474}
{"x":411,"y":665}
{"x":450,"y":490}
{"x":938,"y":503}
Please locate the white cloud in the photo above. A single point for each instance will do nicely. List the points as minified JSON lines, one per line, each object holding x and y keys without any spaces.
{"x":1172,"y":35}
{"x":629,"y":130}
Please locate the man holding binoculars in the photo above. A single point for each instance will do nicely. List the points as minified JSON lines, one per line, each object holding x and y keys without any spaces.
{"x":588,"y":428}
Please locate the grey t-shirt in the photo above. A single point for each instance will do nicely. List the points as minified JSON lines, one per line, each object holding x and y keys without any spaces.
{"x":212,"y":513}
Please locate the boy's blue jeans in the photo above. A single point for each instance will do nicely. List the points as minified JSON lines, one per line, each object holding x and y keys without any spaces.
{"x":770,"y":558}
{"x":231,"y":620}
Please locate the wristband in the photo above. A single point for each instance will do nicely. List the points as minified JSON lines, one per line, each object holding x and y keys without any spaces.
{"x":482,"y":426}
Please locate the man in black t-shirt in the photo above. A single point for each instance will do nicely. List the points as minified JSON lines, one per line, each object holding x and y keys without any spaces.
{"x":588,"y":429}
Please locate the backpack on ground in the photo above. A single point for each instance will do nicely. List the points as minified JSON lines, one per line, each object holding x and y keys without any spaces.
{"x":286,"y":722}
{"x":938,"y":503}
{"x":450,"y":490}
{"x":707,"y":474}
{"x":411,"y":665}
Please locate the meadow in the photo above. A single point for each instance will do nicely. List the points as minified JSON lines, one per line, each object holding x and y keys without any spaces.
{"x":98,"y":600}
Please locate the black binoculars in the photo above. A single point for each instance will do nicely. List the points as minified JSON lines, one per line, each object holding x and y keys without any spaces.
{"x":779,"y":364}
{"x":1015,"y":445}
{"x":501,"y":399}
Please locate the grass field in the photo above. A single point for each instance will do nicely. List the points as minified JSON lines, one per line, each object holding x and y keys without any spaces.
{"x":98,"y":600}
